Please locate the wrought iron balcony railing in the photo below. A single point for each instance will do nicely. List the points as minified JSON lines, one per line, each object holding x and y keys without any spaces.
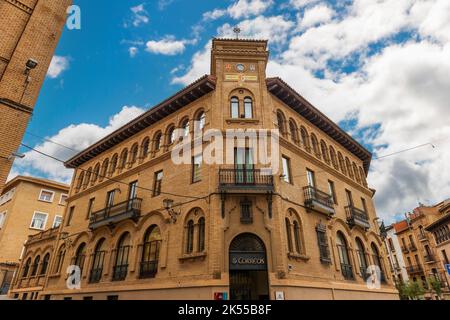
{"x":245,"y":179}
{"x":429,"y":258}
{"x":319,"y":200}
{"x":414,"y":269}
{"x":130,"y":209}
{"x":347,"y":271}
{"x":357,"y":217}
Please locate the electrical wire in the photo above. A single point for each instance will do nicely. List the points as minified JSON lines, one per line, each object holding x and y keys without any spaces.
{"x":104,"y":177}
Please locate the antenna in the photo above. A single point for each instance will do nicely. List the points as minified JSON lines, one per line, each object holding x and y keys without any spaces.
{"x":237,"y":31}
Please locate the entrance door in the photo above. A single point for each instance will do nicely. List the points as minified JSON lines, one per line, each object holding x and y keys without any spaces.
{"x":248,"y":268}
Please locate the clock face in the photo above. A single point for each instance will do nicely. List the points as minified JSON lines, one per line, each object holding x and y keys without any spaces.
{"x":240,"y":67}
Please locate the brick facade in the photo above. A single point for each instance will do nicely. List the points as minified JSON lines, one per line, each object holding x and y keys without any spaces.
{"x":30,"y":29}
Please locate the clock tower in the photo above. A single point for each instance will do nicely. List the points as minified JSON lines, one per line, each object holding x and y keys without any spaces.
{"x":239,"y":66}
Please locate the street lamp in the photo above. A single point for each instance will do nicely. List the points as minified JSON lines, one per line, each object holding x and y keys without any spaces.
{"x":168,"y":205}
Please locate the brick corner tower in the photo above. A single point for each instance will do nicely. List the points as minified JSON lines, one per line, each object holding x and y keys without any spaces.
{"x":29,"y":33}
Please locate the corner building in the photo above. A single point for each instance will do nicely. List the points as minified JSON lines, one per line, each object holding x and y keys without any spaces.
{"x":141,"y":227}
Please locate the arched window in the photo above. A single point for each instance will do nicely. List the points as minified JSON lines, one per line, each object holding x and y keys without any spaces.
{"x":80,"y":180}
{"x":334,"y":161}
{"x":248,"y":108}
{"x":186,"y":127}
{"x":201,"y":120}
{"x":305,"y":139}
{"x":342,"y":247}
{"x":104,"y":170}
{"x":349,"y":168}
{"x":113,"y":166}
{"x":297,"y":242}
{"x":95,"y":173}
{"x":315,"y":145}
{"x":123,"y":159}
{"x":293,"y":131}
{"x":87,"y":178}
{"x":133,"y":154}
{"x":171,"y":135}
{"x":150,"y":252}
{"x":35,"y":267}
{"x":189,"y":237}
{"x":361,"y":253}
{"x":80,"y":256}
{"x":157,"y":141}
{"x":120,"y":268}
{"x":281,"y":122}
{"x":376,"y":256}
{"x":44,"y":265}
{"x":324,"y":150}
{"x":377,"y":260}
{"x":26,"y":268}
{"x":234,"y":107}
{"x":288,"y":234}
{"x":145,"y":148}
{"x":356,"y":173}
{"x":97,"y":264}
{"x":60,"y":259}
{"x":201,"y":234}
{"x":342,"y":163}
{"x":362,"y":176}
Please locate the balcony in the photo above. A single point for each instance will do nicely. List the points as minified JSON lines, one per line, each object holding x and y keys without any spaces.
{"x":429,"y":258}
{"x":423,"y":237}
{"x":249,"y":180}
{"x":414,"y":269}
{"x":130,"y":209}
{"x":412,"y":247}
{"x":347,"y":271}
{"x":357,"y":217}
{"x":44,"y":235}
{"x":319,"y":201}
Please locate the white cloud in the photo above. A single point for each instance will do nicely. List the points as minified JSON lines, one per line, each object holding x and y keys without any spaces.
{"x":316,"y":15}
{"x":200,"y":65}
{"x":240,"y":9}
{"x":275,"y":28}
{"x":215,"y":14}
{"x":57,"y":66}
{"x":162,"y":4}
{"x":298,"y":4}
{"x":139,"y":16}
{"x":77,"y":137}
{"x":167,"y":46}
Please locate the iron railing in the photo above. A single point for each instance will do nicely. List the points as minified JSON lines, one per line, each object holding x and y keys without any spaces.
{"x":244,"y":177}
{"x":414,"y":269}
{"x":120,"y":272}
{"x":357,"y":217}
{"x":429,"y":258}
{"x":347,"y":271}
{"x":121,"y":211}
{"x":313,"y":194}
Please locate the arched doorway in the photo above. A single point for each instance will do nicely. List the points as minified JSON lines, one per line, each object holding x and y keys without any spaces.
{"x":248,"y":268}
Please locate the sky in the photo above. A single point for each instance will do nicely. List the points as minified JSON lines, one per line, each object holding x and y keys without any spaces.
{"x":380,"y":69}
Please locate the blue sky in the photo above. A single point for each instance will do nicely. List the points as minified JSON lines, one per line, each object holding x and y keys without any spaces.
{"x":379,"y":69}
